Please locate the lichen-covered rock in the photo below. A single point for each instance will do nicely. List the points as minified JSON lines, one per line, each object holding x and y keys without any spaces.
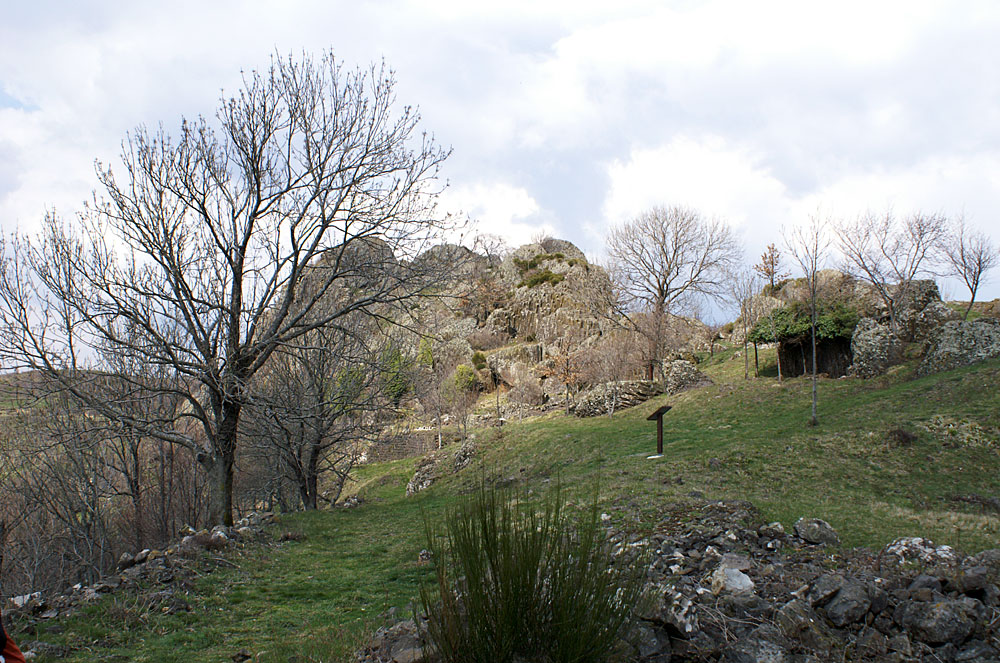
{"x":849,"y":605}
{"x":960,"y":343}
{"x":424,"y":476}
{"x":871,"y":348}
{"x":614,"y":396}
{"x":918,"y":549}
{"x":815,"y":530}
{"x":465,"y":454}
{"x":939,"y":622}
{"x":921,"y":311}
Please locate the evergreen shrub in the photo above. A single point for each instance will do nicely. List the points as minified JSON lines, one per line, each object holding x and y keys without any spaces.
{"x":518,"y":578}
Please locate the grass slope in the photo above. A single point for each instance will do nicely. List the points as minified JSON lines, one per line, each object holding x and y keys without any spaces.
{"x":315,"y":599}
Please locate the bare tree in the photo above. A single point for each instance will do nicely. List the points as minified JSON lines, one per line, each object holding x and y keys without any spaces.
{"x":204,"y":243}
{"x":663,"y":257}
{"x":316,"y":407}
{"x":808,"y":246}
{"x":890,"y":252}
{"x":969,"y":255}
{"x":744,"y":288}
{"x":610,"y":361}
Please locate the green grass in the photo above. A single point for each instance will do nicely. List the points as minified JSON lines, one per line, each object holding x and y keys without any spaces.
{"x":317,"y":598}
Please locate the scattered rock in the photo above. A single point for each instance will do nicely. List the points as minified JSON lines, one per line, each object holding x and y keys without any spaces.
{"x":731,"y":581}
{"x":825,"y":588}
{"x":849,"y":605}
{"x":772,"y":530}
{"x":939,"y":622}
{"x":818,"y":531}
{"x":918,"y":549}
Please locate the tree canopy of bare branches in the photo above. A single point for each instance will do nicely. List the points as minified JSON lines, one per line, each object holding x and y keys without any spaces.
{"x":890,"y":252}
{"x":664,"y":257}
{"x":216,"y":247}
{"x":808,"y":246}
{"x":744,"y":292}
{"x":969,"y":255}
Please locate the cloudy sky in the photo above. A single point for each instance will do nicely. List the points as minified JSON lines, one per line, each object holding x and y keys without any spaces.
{"x":564,"y":116}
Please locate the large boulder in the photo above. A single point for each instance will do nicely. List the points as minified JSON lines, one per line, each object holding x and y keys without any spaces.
{"x":960,"y":343}
{"x":871,"y":348}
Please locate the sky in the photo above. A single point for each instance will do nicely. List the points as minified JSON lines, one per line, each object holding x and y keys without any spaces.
{"x":564,"y":117}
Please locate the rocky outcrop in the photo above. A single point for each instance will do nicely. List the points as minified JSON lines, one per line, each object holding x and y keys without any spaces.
{"x":425,"y":474}
{"x":921,"y":312}
{"x":553,"y":291}
{"x":960,"y":343}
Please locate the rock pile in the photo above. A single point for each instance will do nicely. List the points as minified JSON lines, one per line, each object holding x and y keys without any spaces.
{"x":614,"y":396}
{"x":679,"y":375}
{"x":725,"y":588}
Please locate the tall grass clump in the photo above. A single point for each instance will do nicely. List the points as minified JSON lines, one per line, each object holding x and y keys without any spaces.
{"x":517,"y":577}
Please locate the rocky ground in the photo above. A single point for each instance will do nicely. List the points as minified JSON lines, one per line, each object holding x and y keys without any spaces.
{"x":725,"y":587}
{"x":158,"y":581}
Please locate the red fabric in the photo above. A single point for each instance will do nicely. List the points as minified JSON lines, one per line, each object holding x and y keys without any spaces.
{"x":11,"y":653}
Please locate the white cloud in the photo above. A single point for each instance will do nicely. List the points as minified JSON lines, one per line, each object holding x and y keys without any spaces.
{"x":498,"y":209}
{"x":707,"y":174}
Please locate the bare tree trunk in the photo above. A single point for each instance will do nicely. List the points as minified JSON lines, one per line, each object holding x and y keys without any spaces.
{"x":3,"y":547}
{"x":221,"y":498}
{"x":746,"y":358}
{"x":814,"y":421}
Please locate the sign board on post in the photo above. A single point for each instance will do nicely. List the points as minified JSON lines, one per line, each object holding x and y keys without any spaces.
{"x":658,"y":418}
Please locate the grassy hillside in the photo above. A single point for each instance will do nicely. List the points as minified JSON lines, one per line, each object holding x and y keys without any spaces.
{"x":314,"y":599}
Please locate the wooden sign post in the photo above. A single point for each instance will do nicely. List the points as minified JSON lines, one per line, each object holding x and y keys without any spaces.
{"x":658,"y":418}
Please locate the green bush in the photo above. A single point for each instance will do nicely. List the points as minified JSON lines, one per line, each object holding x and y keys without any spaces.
{"x":523,"y":579}
{"x":478,"y":360}
{"x":792,"y":323}
{"x":396,"y":374}
{"x":465,"y":378}
{"x":542,"y":276}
